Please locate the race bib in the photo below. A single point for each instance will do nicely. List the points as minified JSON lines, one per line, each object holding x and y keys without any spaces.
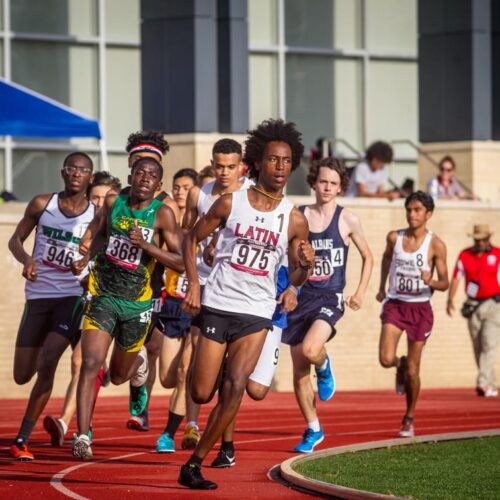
{"x":123,"y":252}
{"x":325,"y":264}
{"x":157,"y":305}
{"x":182,"y":286}
{"x":408,"y":284}
{"x":59,"y":255}
{"x":250,"y":257}
{"x":472,"y":289}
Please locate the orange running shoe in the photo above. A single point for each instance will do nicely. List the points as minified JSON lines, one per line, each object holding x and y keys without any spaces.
{"x":20,"y":451}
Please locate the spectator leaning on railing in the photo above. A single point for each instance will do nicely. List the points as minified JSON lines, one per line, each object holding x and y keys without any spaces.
{"x":370,"y":175}
{"x":445,"y":186}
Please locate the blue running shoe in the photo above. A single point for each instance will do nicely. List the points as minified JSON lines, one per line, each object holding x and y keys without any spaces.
{"x":309,"y":441}
{"x":165,"y":444}
{"x":326,"y":381}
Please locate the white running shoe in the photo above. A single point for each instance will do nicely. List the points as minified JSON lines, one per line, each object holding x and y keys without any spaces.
{"x":141,"y":375}
{"x":81,"y":447}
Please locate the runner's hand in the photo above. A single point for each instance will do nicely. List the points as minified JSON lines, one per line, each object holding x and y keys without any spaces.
{"x":289,"y":300}
{"x":380,"y":296}
{"x":208,"y":255}
{"x":136,"y":237}
{"x":29,"y":269}
{"x":191,"y":303}
{"x":77,"y":266}
{"x":426,"y":277}
{"x":450,"y":307}
{"x":306,"y":255}
{"x":354,"y":302}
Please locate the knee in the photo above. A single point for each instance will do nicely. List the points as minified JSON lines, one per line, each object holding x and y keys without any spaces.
{"x":90,"y":365}
{"x":46,"y":368}
{"x":167,"y":380}
{"x":21,"y":378}
{"x":200,"y":395}
{"x":412,"y":371}
{"x":256,"y":391}
{"x":181,"y":376}
{"x":310,"y":351}
{"x":385,"y":360}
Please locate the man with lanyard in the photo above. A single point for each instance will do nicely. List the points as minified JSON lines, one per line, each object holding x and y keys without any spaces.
{"x":226,"y":160}
{"x":257,"y":227}
{"x":53,"y":294}
{"x":313,"y":323}
{"x":128,"y":243}
{"x":410,"y":257}
{"x":480,"y":265}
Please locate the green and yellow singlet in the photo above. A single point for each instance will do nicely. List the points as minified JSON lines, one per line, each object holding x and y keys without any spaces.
{"x":122,"y":269}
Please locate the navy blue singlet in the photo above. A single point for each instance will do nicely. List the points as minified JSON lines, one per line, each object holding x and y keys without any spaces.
{"x":331,"y":257}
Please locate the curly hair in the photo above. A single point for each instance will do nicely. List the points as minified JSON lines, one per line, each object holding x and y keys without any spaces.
{"x":381,"y":151}
{"x":148,"y":137}
{"x":424,"y":198}
{"x":270,"y":131}
{"x":333,"y":164}
{"x":105,"y":179}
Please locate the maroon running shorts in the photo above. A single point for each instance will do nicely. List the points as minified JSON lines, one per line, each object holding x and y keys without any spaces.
{"x":416,"y":318}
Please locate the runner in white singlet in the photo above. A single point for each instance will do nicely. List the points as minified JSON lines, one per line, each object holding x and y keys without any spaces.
{"x":257,"y":227}
{"x":410,"y":258}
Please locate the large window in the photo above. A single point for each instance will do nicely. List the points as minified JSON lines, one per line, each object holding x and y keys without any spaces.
{"x":62,"y":49}
{"x":340,"y":69}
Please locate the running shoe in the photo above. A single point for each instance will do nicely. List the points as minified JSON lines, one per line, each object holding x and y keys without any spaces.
{"x":139,"y":422}
{"x":491,"y":392}
{"x":81,"y":447}
{"x":191,"y":477}
{"x":326,"y":381}
{"x":54,"y":427}
{"x":407,"y":430}
{"x":401,"y":376}
{"x":309,"y":441}
{"x":138,"y":399}
{"x":165,"y":444}
{"x":223,"y":460}
{"x":190,"y":438}
{"x":19,"y":451}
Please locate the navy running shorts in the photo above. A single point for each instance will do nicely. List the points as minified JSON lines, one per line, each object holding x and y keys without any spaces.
{"x":328,"y":307}
{"x":174,"y":322}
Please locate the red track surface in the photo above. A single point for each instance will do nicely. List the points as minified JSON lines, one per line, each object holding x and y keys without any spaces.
{"x":126,"y":466}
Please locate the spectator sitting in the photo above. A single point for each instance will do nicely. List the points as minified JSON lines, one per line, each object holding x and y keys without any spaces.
{"x":448,"y":187}
{"x":370,"y":176}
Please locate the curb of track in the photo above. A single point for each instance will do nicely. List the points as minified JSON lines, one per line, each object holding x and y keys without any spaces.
{"x":334,"y":490}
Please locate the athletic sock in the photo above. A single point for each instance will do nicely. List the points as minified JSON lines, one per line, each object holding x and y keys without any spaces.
{"x":26,"y":429}
{"x":314,"y":425}
{"x":228,"y":447}
{"x":192,"y":423}
{"x":173,"y":423}
{"x":63,"y":425}
{"x":194,"y":460}
{"x":323,"y":366}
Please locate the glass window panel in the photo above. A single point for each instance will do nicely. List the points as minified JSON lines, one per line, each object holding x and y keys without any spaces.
{"x":63,"y":72}
{"x":123,"y":94}
{"x":391,"y":26}
{"x":392,"y":101}
{"x":263,"y":22}
{"x":59,"y":17}
{"x":263,"y":75}
{"x":323,"y":23}
{"x":123,"y":20}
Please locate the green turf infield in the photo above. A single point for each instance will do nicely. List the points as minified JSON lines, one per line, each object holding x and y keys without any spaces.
{"x":464,"y":469}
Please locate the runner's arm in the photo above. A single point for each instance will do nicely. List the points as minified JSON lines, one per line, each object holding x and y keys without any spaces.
{"x":357,"y":235}
{"x":442,"y":283}
{"x":300,"y":251}
{"x":386,"y":264}
{"x":26,"y":225}
{"x":175,"y":209}
{"x":191,"y":213}
{"x":216,"y":217}
{"x":450,"y":305}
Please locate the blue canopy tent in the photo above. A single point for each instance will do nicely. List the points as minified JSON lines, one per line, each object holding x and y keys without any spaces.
{"x":25,"y":113}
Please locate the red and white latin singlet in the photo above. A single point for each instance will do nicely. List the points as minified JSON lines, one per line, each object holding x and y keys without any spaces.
{"x":405,"y":282}
{"x":249,"y":252}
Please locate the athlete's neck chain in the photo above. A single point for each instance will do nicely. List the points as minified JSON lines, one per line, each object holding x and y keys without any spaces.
{"x":275,"y":198}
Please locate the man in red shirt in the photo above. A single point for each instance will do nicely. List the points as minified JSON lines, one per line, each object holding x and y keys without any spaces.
{"x":480,"y":265}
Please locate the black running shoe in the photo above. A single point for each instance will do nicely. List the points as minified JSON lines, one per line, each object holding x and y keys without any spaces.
{"x":401,"y":376}
{"x":224,"y":459}
{"x":191,"y":477}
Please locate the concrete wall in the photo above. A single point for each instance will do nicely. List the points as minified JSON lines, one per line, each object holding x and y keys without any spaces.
{"x":447,"y":361}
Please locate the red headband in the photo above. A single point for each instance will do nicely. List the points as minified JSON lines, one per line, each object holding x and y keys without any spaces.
{"x":145,"y":147}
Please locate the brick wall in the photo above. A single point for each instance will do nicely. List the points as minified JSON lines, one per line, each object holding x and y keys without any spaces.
{"x":447,"y":361}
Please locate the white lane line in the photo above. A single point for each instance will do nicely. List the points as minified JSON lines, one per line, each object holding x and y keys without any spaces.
{"x":56,"y":481}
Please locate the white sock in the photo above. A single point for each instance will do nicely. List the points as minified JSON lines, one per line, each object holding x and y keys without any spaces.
{"x":192,"y":423}
{"x":314,"y":425}
{"x":84,"y":437}
{"x":324,"y":365}
{"x":63,"y":425}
